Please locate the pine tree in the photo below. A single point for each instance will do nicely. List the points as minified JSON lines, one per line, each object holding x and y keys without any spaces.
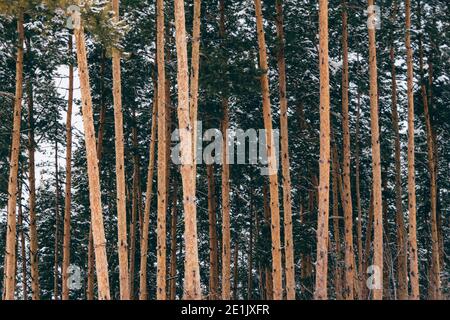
{"x":376,"y":158}
{"x":285,"y":163}
{"x":10,"y":254}
{"x":272,"y":165}
{"x":226,"y":241}
{"x":347,"y":204}
{"x":143,"y":294}
{"x":191,"y":266}
{"x":413,"y":253}
{"x":324,"y":162}
{"x":98,"y":232}
{"x":68,"y":189}
{"x":120,"y":170}
{"x":402,"y":265}
{"x":162,"y":161}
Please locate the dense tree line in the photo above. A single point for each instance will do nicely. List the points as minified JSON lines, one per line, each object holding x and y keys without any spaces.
{"x":355,"y":201}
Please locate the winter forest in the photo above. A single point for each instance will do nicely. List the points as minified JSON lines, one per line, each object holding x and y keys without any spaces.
{"x":224,"y":149}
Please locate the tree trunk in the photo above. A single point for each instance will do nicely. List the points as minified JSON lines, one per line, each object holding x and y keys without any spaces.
{"x":285,"y":163}
{"x":226,"y":241}
{"x":120,"y":170}
{"x":57,"y":218}
{"x":100,"y":134}
{"x":413,"y":253}
{"x":402,"y":256}
{"x":376,"y":158}
{"x":192,"y":272}
{"x":358,"y":201}
{"x":23,"y":253}
{"x":148,"y":201}
{"x":271,"y":156}
{"x":98,"y":232}
{"x":250,"y":249}
{"x":34,"y":268}
{"x":162,"y":161}
{"x":435,"y":282}
{"x":324,"y":163}
{"x":337,"y":237}
{"x":347,"y":204}
{"x":135,"y":205}
{"x":10,"y":252}
{"x":195,"y":64}
{"x":90,"y":267}
{"x":367,"y":246}
{"x":213,"y":250}
{"x":68,"y":191}
{"x":235,"y":273}
{"x":173,"y":245}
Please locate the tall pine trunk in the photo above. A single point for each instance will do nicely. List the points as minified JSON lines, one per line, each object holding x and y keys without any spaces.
{"x":376,"y":157}
{"x":347,"y":204}
{"x":120,"y":170}
{"x":213,"y":250}
{"x":57,"y":221}
{"x":358,"y":200}
{"x":148,"y":201}
{"x":136,"y":204}
{"x":68,"y":191}
{"x":413,"y":253}
{"x":98,"y":232}
{"x":195,"y":65}
{"x":271,"y":157}
{"x":435,"y":281}
{"x":285,"y":163}
{"x":34,"y":263}
{"x":226,"y":241}
{"x":100,"y":135}
{"x":162,"y":155}
{"x":324,"y":162}
{"x":336,"y":229}
{"x":10,"y":250}
{"x":235,"y":267}
{"x":192,"y":268}
{"x":402,"y":256}
{"x":21,"y":236}
{"x":173,"y":245}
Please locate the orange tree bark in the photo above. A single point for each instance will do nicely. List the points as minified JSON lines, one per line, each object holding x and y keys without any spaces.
{"x":10,"y":250}
{"x":413,"y":253}
{"x":376,"y":156}
{"x":347,"y":204}
{"x":21,"y":236}
{"x":402,"y":264}
{"x":213,"y":250}
{"x":120,"y":170}
{"x":195,"y":64}
{"x":68,"y":192}
{"x":285,"y":163}
{"x":271,"y":157}
{"x":337,"y":237}
{"x":148,"y":200}
{"x":34,"y":264}
{"x":135,"y":204}
{"x":100,"y":134}
{"x":57,"y":236}
{"x":324,"y":162}
{"x":173,"y":245}
{"x":358,"y":199}
{"x":435,"y":283}
{"x":226,"y":241}
{"x":162,"y":159}
{"x":192,"y":269}
{"x":98,"y":232}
